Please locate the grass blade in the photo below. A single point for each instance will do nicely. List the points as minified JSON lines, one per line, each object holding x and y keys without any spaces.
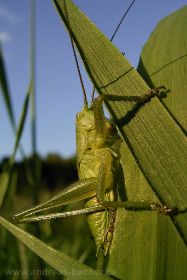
{"x":4,"y":179}
{"x":8,"y":173}
{"x":21,"y":123}
{"x":32,"y":74}
{"x":5,"y":90}
{"x":61,"y":262}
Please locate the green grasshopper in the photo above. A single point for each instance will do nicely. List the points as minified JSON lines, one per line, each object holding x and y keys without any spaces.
{"x":98,"y":163}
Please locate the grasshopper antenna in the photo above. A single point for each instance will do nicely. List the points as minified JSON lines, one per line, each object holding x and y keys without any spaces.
{"x":76,"y":61}
{"x":93,"y":92}
{"x":79,"y":73}
{"x":75,"y":56}
{"x":118,"y":26}
{"x":114,"y":34}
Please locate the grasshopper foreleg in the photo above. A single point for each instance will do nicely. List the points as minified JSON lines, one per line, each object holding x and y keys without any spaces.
{"x":134,"y":98}
{"x":106,"y":161}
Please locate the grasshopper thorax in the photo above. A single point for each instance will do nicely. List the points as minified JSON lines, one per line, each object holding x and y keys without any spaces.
{"x":87,"y":136}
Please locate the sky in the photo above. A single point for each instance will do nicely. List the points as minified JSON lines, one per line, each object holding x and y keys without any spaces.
{"x":58,"y":91}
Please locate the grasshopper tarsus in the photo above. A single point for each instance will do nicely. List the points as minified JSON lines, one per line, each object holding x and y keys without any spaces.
{"x":152,"y":93}
{"x":163,"y":209}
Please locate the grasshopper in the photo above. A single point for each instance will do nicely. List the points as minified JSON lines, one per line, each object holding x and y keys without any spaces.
{"x":98,"y":163}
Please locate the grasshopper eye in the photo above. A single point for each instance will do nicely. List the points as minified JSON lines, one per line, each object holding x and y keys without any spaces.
{"x":79,"y":116}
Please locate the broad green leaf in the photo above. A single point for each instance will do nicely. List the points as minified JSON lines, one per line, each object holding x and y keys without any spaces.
{"x":61,"y":262}
{"x":155,"y":140}
{"x":146,"y":245}
{"x":5,"y":89}
{"x":150,"y":248}
{"x":164,"y":62}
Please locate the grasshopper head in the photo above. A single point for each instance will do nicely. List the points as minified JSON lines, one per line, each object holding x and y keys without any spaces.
{"x":85,"y":120}
{"x":85,"y":131}
{"x":87,"y":135}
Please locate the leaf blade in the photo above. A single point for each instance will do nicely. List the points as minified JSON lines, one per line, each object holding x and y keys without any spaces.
{"x":5,"y":90}
{"x":8,"y":173}
{"x":149,"y":249}
{"x":163,"y":62}
{"x":159,"y":146}
{"x":61,"y":262}
{"x":143,"y":237}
